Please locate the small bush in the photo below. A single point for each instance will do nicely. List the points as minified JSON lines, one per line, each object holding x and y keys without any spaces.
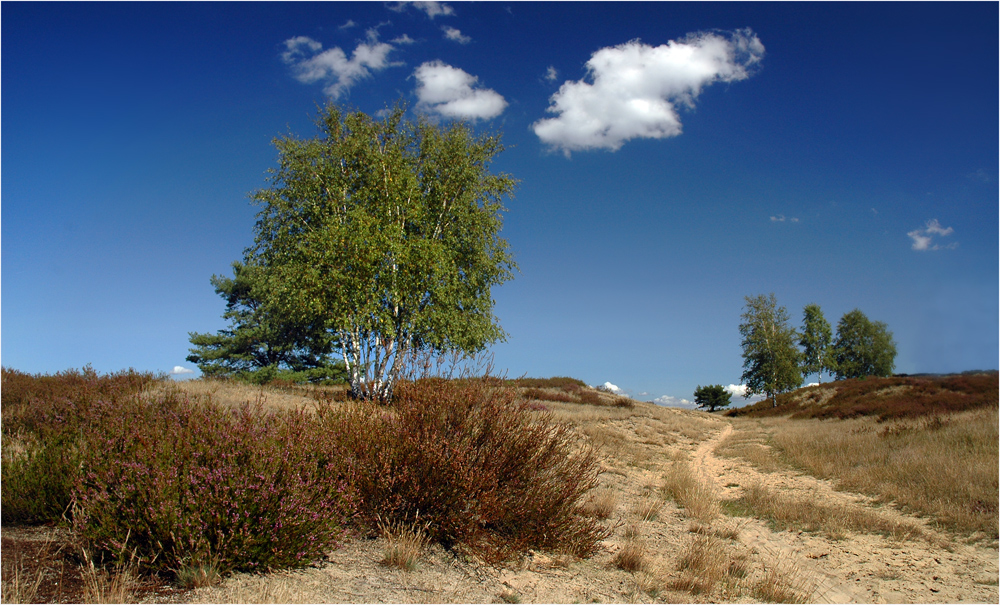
{"x":187,"y":484}
{"x":631,"y":557}
{"x":480,"y":468}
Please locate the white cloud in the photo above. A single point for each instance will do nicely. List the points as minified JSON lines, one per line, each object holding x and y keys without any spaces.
{"x":332,"y":66}
{"x":551,"y":74}
{"x":455,"y":35}
{"x":674,"y":402}
{"x":432,"y":9}
{"x":740,"y":390}
{"x":923,"y":239}
{"x":404,"y":39}
{"x":737,"y":390}
{"x":611,"y":388}
{"x":781,"y":218}
{"x":348,"y":25}
{"x":634,"y":89}
{"x":450,"y":92}
{"x":181,"y":370}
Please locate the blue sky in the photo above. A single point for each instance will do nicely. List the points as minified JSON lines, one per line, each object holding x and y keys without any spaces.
{"x":674,"y":158}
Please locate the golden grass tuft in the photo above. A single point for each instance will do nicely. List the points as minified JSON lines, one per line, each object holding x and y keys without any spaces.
{"x":697,"y":499}
{"x":116,"y":585}
{"x":601,"y":504}
{"x":631,"y":556}
{"x":404,"y":543}
{"x":702,"y":564}
{"x":647,"y":508}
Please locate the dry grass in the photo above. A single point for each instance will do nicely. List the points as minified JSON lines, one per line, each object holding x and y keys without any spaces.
{"x":245,"y":588}
{"x":20,"y":585}
{"x":234,"y":394}
{"x":198,"y":576}
{"x":404,"y":543}
{"x":697,"y":499}
{"x":702,"y":564}
{"x":116,"y":585}
{"x":632,"y":555}
{"x":942,"y":466}
{"x":750,"y":442}
{"x":779,"y":584}
{"x":808,"y":514}
{"x":647,"y":508}
{"x":601,"y":504}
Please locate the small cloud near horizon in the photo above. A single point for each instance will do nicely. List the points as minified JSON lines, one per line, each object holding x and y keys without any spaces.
{"x":180,"y":370}
{"x":923,"y":239}
{"x":674,"y":402}
{"x":781,"y":218}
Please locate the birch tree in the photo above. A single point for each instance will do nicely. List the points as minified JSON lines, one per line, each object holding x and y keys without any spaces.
{"x":770,"y":357}
{"x":863,"y":347}
{"x":815,"y":342}
{"x":388,"y":232}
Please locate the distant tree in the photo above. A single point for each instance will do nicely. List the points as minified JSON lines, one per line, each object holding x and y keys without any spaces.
{"x":712,"y":397}
{"x":863,"y":347}
{"x":259,"y":345}
{"x":815,"y":342}
{"x":388,"y":233}
{"x":770,"y":357}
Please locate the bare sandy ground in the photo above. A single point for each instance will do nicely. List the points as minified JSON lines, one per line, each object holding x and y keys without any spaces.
{"x":638,"y":446}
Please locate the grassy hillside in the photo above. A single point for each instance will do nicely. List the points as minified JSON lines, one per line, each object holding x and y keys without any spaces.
{"x":885,"y":398}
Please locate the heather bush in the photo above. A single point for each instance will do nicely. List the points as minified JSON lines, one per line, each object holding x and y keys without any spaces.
{"x":475,"y":464}
{"x":182,"y":484}
{"x":46,"y":423}
{"x":37,"y":479}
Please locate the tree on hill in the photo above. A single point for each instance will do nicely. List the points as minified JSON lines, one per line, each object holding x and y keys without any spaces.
{"x":863,"y":347}
{"x":712,"y":397}
{"x":815,"y":342}
{"x":387,"y":232}
{"x":259,"y":345}
{"x":770,"y":357}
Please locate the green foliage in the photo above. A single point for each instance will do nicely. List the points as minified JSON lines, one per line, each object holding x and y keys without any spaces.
{"x":712,"y":397}
{"x":863,"y":347}
{"x":261,"y":345}
{"x":815,"y":342}
{"x":387,"y":233}
{"x":770,"y":357}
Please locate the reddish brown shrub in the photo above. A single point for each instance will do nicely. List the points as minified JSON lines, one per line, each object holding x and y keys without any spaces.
{"x":473,"y":463}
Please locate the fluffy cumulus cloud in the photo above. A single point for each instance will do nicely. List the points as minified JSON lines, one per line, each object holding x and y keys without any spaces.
{"x":310,"y":63}
{"x":674,"y":402}
{"x":611,"y":388}
{"x":924,"y":240}
{"x":451,"y":92}
{"x":181,"y":370}
{"x":634,"y":89}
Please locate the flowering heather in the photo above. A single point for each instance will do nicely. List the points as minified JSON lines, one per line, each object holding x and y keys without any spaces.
{"x":191,"y":484}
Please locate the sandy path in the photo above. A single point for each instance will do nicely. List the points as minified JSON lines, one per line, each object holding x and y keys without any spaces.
{"x":825,"y":587}
{"x":860,"y":568}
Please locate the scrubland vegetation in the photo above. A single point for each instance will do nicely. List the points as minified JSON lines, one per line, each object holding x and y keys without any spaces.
{"x":158,"y":481}
{"x":929,"y":445}
{"x":192,"y":482}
